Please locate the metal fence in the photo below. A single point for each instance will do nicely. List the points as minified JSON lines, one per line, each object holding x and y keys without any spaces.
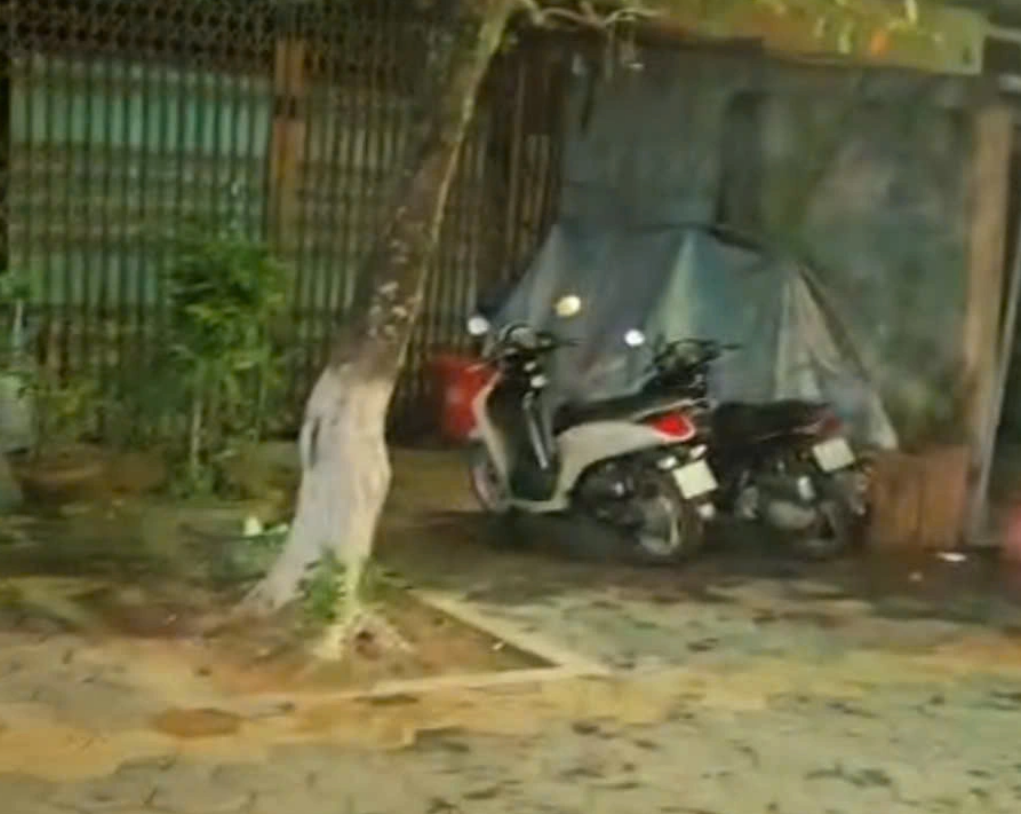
{"x":123,"y":118}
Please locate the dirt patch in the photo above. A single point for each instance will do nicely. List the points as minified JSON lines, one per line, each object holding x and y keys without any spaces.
{"x":441,"y":645}
{"x":196,"y":723}
{"x":273,"y":656}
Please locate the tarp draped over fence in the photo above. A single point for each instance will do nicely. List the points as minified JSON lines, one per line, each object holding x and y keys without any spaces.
{"x":857,"y":187}
{"x":674,"y":283}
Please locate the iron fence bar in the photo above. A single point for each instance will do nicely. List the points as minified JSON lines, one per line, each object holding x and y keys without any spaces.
{"x":81,"y":307}
{"x":58,"y":308}
{"x":308,"y":190}
{"x":163,"y":204}
{"x":101,"y":316}
{"x":143,"y":268}
{"x":234,"y":198}
{"x":216,"y":76}
{"x":47,"y":185}
{"x":346,"y":129}
{"x":6,"y":145}
{"x":256,"y":223}
{"x":127,"y":218}
{"x":28,"y":163}
{"x":317,"y":201}
{"x":361,"y":122}
{"x":200,"y":191}
{"x":336,"y":222}
{"x":477,"y":205}
{"x":516,"y":166}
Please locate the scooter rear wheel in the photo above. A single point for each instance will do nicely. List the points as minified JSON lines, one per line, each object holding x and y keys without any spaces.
{"x":671,"y":529}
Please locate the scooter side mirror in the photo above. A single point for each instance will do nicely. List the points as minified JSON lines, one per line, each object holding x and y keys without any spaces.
{"x":478,"y":325}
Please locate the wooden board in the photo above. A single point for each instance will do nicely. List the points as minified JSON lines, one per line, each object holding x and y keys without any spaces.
{"x":919,"y":501}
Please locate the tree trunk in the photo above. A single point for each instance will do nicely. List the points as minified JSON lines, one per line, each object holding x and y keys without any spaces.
{"x":345,"y":466}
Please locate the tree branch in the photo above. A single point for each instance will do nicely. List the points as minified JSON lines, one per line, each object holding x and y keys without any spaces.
{"x":586,"y":15}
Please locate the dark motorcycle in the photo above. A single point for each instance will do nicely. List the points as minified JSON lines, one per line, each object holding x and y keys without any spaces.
{"x":786,"y":464}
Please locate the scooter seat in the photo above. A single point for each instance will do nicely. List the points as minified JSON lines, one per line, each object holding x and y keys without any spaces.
{"x":623,"y":408}
{"x":741,"y":420}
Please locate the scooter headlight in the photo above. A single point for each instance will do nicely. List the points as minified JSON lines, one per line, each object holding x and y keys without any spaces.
{"x":478,"y":325}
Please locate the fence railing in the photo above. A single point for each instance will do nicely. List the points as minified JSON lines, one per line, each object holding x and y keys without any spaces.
{"x":123,"y":119}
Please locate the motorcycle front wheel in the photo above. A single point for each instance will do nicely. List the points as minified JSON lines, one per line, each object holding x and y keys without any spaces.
{"x":486,"y":483}
{"x":670,"y":529}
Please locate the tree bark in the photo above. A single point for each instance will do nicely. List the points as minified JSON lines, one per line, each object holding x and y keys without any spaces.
{"x":345,"y":465}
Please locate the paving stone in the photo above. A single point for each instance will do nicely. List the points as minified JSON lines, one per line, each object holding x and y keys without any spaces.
{"x":131,"y":786}
{"x":187,"y":788}
{"x":25,"y":794}
{"x":259,"y":778}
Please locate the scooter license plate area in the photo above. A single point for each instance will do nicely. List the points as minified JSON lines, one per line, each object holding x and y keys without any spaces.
{"x":833,"y":455}
{"x":695,"y":480}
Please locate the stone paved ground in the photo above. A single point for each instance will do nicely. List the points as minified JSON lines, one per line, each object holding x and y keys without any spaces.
{"x":928,"y":748}
{"x":743,"y":685}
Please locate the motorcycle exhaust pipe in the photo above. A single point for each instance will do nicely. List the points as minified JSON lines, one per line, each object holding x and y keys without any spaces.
{"x":789,"y":516}
{"x":785,"y":487}
{"x":787,"y":503}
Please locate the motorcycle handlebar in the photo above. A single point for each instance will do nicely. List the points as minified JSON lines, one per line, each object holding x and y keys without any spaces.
{"x":710,"y":347}
{"x":521,"y":338}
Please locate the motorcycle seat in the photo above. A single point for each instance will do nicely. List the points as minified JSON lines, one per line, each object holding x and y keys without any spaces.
{"x":733,"y":420}
{"x":622,"y":408}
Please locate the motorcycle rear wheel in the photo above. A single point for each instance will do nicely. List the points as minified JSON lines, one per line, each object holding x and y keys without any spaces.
{"x":671,"y":530}
{"x":833,"y":534}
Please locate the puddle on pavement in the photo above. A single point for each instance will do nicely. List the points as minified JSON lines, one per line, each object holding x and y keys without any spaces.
{"x":197,"y":723}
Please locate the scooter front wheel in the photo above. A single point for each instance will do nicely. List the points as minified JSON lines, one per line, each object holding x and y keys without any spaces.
{"x":671,"y":530}
{"x":486,"y":482}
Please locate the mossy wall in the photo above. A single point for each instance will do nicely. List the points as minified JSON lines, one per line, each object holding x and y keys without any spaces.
{"x":863,"y":174}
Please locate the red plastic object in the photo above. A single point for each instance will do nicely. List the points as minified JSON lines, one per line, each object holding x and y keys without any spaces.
{"x":1012,"y":537}
{"x":459,"y":380}
{"x":676,"y":425}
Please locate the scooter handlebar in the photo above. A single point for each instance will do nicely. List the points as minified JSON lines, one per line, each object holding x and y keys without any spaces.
{"x":519,"y":338}
{"x":708,"y":349}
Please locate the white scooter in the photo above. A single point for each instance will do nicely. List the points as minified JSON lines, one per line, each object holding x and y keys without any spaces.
{"x":631,"y":462}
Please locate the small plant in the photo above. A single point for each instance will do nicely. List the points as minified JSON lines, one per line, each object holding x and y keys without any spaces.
{"x":323,"y":591}
{"x":63,"y":408}
{"x":55,"y":408}
{"x":14,"y":295}
{"x":224,"y":294}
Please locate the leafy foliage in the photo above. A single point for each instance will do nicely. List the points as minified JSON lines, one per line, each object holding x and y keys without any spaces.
{"x":325,"y":588}
{"x":62,"y":407}
{"x":322,"y":592}
{"x":219,"y":364}
{"x":223,"y":293}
